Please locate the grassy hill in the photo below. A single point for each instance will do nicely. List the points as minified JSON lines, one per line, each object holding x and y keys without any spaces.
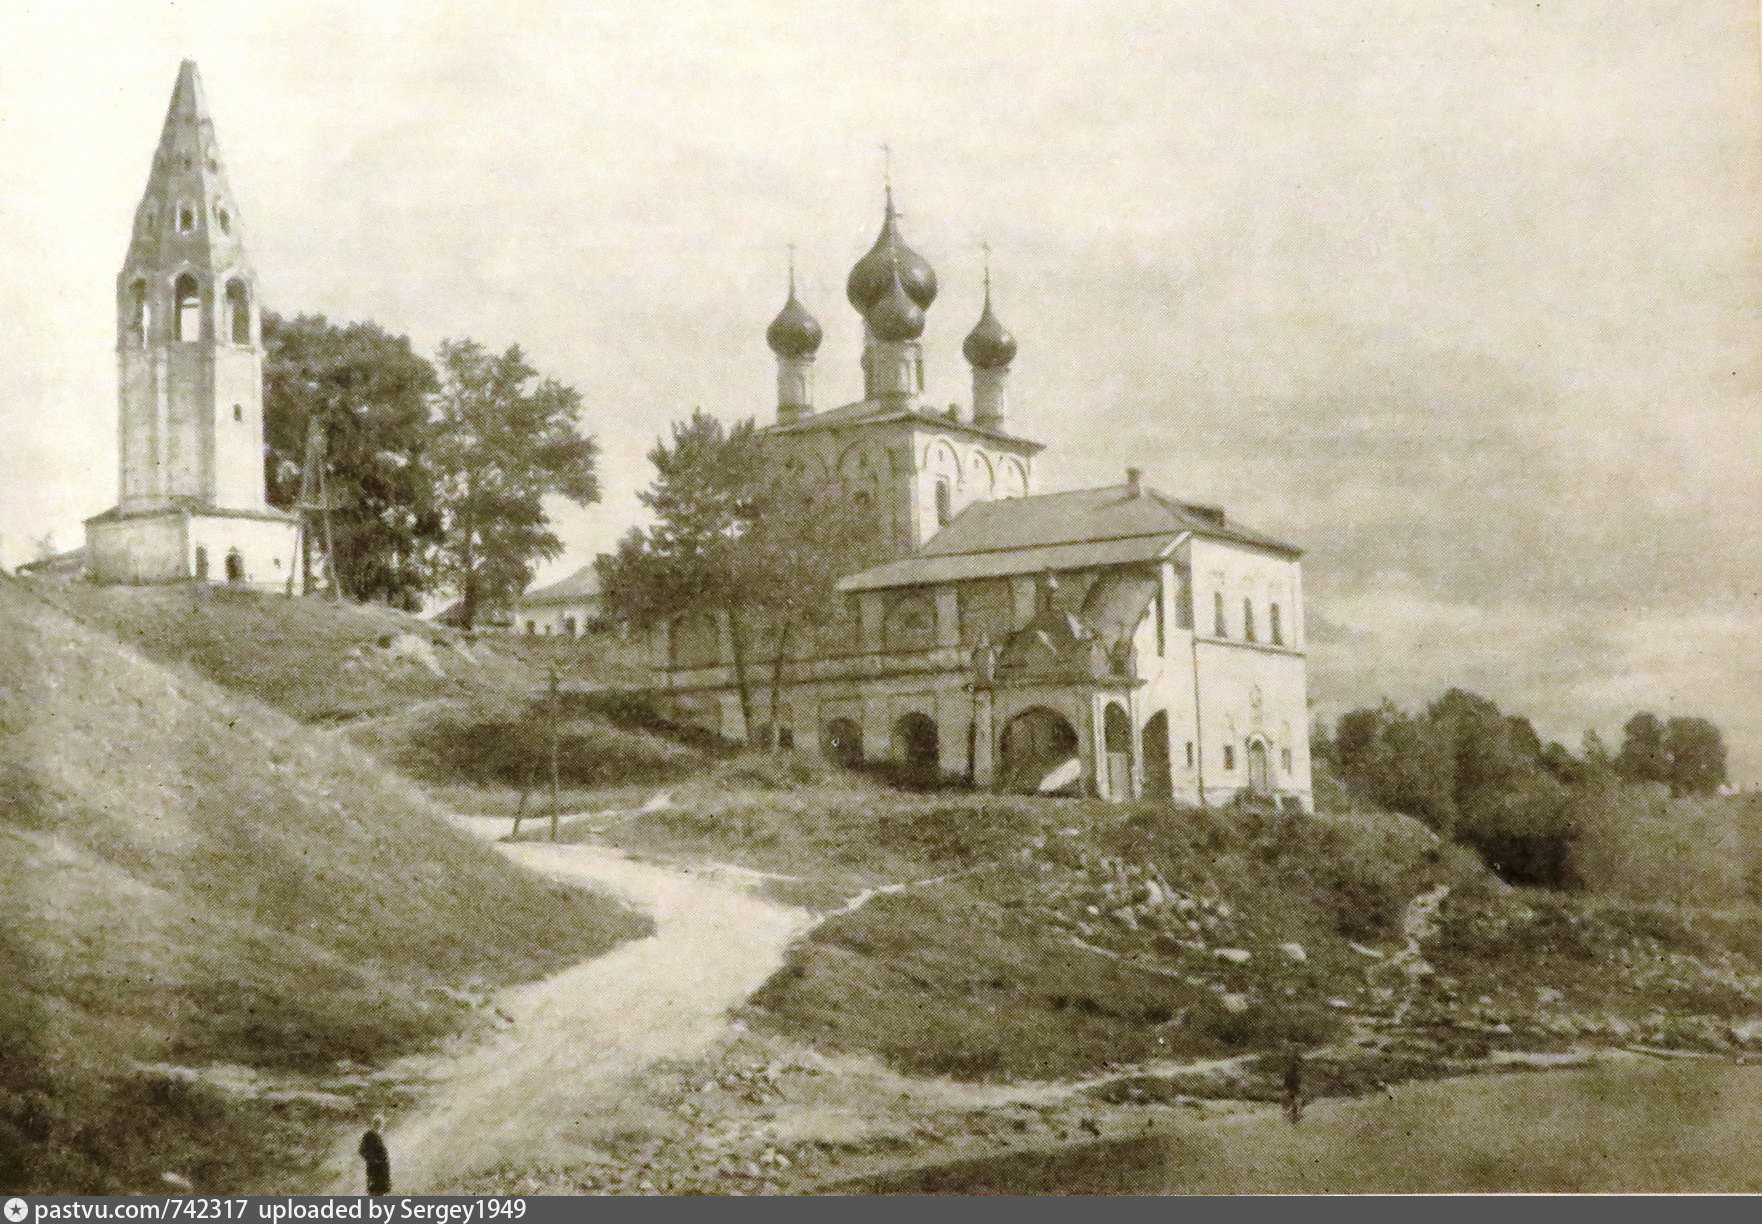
{"x":316,"y":660}
{"x":189,"y":878}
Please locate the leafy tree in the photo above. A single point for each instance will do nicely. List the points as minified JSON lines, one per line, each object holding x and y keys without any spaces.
{"x":1399,"y":762}
{"x":1642,"y":757}
{"x":761,"y":554}
{"x":499,"y":444}
{"x":370,"y":390}
{"x":1695,"y":750}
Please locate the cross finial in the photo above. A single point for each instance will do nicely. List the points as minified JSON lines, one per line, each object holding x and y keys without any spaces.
{"x":887,"y":174}
{"x":986,"y":248}
{"x":792,"y":269}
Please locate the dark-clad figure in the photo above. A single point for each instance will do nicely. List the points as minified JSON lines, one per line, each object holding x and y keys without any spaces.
{"x":377,"y":1159}
{"x":1294,"y":1087}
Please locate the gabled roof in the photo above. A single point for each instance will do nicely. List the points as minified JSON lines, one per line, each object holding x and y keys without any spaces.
{"x":583,"y":584}
{"x":1078,"y":529}
{"x":875,"y":412}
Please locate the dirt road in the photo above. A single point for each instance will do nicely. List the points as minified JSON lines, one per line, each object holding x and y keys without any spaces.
{"x":578,"y":1038}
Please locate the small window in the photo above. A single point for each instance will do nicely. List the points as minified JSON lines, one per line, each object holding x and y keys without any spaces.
{"x":786,"y":737}
{"x":1229,"y":756}
{"x":1274,"y":627}
{"x":224,"y":218}
{"x":944,"y":508}
{"x":1248,"y":619}
{"x":151,"y":224}
{"x":531,"y":628}
{"x":189,"y":308}
{"x":1285,"y":759}
{"x":1189,"y":754}
{"x":238,"y":412}
{"x":1217,"y":615}
{"x":186,"y":218}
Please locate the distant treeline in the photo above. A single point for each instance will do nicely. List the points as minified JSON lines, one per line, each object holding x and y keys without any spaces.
{"x":1537,"y":812}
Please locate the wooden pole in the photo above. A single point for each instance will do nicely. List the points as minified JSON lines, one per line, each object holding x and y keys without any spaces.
{"x":556,"y":720}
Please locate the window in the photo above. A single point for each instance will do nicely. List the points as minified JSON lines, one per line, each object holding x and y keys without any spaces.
{"x":235,"y":567}
{"x":1285,"y":759}
{"x":1229,"y":756}
{"x":786,"y":737}
{"x":1248,"y":619}
{"x":238,"y":412}
{"x":186,"y":218}
{"x":152,"y":220}
{"x":224,"y":218}
{"x":1217,"y":615}
{"x":188,"y":295}
{"x":1189,"y":754}
{"x":136,"y":308}
{"x":531,"y":628}
{"x":1273,"y":626}
{"x":568,"y":626}
{"x":238,"y":311}
{"x":944,"y":510}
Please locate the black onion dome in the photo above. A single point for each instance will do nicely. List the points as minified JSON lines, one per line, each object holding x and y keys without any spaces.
{"x":868,"y":280}
{"x":896,"y":316}
{"x":794,"y":332}
{"x":988,"y":346}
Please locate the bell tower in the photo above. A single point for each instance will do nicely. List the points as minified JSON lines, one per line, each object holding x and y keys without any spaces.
{"x":190,"y":501}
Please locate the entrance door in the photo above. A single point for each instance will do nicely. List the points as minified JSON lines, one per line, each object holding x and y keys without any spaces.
{"x":1259,"y":775}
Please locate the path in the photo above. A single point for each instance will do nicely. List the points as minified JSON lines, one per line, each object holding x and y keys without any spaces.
{"x":578,"y":1037}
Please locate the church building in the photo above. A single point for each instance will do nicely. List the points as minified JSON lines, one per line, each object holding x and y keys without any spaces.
{"x":191,"y":503}
{"x":1115,"y":642}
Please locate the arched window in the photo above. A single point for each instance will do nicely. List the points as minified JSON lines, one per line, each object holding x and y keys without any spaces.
{"x":136,"y":309}
{"x":1217,"y":615}
{"x":225,"y":219}
{"x":235,"y":567}
{"x":1248,"y":619}
{"x":238,"y":310}
{"x":1273,"y":626}
{"x":188,"y":295}
{"x":186,"y":218}
{"x":1229,"y":756}
{"x":944,"y":507}
{"x":238,"y":412}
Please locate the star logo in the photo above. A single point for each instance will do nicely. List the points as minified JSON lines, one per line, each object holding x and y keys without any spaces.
{"x":16,"y":1210}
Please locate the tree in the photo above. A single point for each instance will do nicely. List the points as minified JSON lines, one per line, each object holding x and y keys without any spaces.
{"x":704,"y":497}
{"x":498,"y":446}
{"x":370,"y":391}
{"x":1642,"y":757}
{"x":1695,"y":750}
{"x":762,"y":555}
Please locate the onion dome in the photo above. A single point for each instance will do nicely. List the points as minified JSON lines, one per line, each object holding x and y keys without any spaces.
{"x":890,"y":256}
{"x":988,"y":346}
{"x":896,"y":316}
{"x":794,"y":332}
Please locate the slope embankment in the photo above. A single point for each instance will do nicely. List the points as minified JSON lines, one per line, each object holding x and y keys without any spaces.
{"x":190,"y":879}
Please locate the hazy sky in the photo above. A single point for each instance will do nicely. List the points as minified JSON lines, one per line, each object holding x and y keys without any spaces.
{"x":1462,"y":297}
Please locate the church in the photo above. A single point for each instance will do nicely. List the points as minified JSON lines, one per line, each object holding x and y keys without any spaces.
{"x":191,"y":502}
{"x":1114,"y":642}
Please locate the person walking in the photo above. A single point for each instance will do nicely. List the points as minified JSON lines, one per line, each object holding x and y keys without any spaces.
{"x":377,"y":1159}
{"x":1294,"y":1087}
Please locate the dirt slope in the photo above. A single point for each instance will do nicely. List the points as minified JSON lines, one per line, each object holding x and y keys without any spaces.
{"x":576,"y":1040}
{"x":189,"y":878}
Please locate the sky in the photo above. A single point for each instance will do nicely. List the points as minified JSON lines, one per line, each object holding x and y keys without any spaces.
{"x":1462,"y":297}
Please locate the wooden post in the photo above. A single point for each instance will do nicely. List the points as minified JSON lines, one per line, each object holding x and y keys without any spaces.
{"x":556,"y":720}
